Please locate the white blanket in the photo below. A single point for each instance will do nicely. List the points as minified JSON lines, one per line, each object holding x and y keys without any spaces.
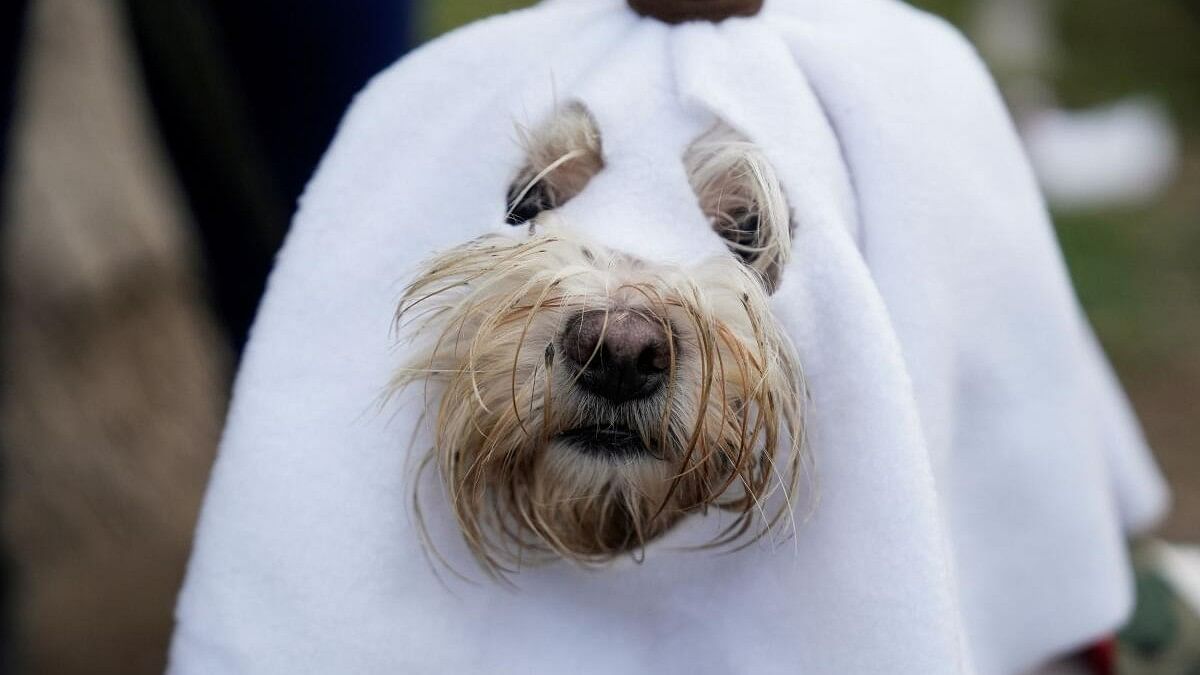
{"x":979,"y":468}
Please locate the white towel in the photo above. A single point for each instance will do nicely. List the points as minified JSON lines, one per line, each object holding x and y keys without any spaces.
{"x":979,"y":468}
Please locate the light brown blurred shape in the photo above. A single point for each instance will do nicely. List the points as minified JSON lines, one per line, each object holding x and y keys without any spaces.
{"x":114,"y":376}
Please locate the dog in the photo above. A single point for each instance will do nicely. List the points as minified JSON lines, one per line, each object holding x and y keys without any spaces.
{"x":586,"y":400}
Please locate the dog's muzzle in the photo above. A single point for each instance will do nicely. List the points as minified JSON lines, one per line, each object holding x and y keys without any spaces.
{"x":621,"y":355}
{"x":605,"y":442}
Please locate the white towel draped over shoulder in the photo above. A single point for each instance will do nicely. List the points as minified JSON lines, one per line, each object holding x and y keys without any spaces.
{"x":979,"y":468}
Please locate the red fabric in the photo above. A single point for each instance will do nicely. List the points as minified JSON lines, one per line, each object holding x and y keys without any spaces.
{"x":1102,"y":658}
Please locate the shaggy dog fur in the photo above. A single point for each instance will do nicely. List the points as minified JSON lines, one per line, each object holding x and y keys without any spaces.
{"x":522,"y":345}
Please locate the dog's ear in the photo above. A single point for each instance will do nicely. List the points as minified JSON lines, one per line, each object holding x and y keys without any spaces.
{"x":742,"y":197}
{"x":562,"y":156}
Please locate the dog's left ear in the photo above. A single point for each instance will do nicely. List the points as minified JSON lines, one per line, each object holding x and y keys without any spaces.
{"x":562,"y":157}
{"x":743,"y":199}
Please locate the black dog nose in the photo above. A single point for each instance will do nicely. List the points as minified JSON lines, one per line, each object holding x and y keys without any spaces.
{"x":624,"y":355}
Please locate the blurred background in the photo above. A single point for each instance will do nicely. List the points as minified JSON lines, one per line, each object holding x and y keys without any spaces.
{"x":152,"y":155}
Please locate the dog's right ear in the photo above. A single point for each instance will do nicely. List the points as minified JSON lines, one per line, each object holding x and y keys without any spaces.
{"x":743,"y":199}
{"x":562,"y":156}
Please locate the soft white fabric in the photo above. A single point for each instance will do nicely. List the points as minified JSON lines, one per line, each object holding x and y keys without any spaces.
{"x":978,"y":465}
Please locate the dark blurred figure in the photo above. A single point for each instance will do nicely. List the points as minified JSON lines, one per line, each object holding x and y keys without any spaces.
{"x":12,"y":15}
{"x":248,"y":95}
{"x":12,"y":18}
{"x":123,"y":166}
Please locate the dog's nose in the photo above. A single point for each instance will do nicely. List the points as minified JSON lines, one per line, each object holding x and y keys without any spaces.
{"x":624,"y":355}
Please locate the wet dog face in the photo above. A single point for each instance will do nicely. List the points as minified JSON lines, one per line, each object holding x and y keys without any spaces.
{"x":584,"y":399}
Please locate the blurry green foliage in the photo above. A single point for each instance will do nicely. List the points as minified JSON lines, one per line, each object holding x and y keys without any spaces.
{"x":1136,"y":273}
{"x":1114,"y":48}
{"x":953,"y":10}
{"x":443,"y":15}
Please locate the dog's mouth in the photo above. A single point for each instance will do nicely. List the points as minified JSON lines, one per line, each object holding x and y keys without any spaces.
{"x":608,"y":442}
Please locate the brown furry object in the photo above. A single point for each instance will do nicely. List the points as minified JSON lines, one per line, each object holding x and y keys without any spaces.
{"x":114,"y":376}
{"x":679,"y":11}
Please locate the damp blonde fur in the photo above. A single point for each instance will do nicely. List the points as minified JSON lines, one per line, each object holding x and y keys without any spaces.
{"x":724,"y":433}
{"x":726,"y":430}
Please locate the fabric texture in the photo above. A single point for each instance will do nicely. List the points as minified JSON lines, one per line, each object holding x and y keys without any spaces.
{"x":978,"y":466}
